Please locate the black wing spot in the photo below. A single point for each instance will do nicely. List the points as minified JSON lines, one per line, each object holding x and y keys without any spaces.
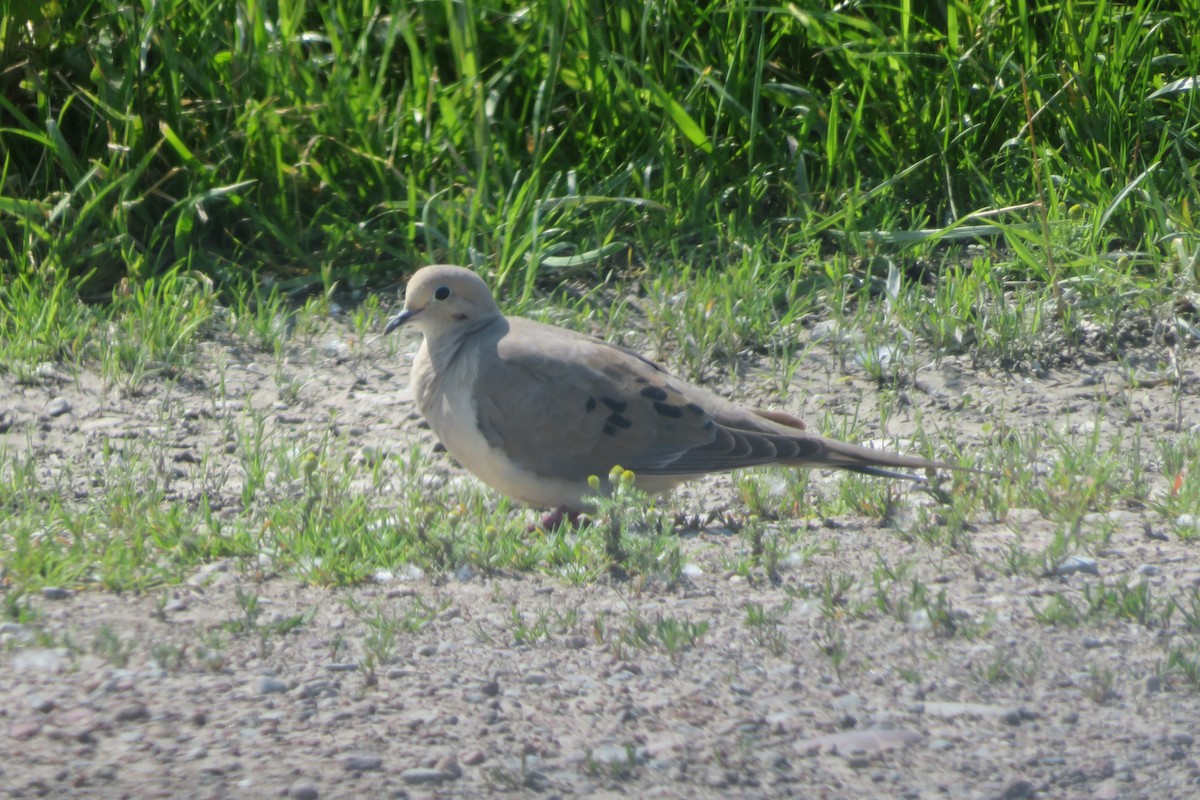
{"x":668,"y":410}
{"x":609,"y":430}
{"x":806,"y":448}
{"x":695,"y":409}
{"x":619,"y":421}
{"x":639,"y":379}
{"x":654,"y":393}
{"x":591,"y":404}
{"x":616,"y":406}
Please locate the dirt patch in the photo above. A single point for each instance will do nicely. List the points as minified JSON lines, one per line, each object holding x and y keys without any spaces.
{"x":727,"y":684}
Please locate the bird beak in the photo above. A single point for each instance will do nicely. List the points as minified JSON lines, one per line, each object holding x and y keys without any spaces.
{"x":398,"y":320}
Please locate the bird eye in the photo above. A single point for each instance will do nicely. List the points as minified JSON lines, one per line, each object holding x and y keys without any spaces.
{"x":441,"y":293}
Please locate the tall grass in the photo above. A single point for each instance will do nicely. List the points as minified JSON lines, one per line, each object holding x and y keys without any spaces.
{"x":337,"y":140}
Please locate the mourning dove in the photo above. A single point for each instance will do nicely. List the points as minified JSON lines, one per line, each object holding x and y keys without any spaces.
{"x":534,"y":410}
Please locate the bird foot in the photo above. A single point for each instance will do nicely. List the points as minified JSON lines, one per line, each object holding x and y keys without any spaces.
{"x":553,"y":520}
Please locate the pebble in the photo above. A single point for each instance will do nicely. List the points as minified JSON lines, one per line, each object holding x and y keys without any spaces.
{"x":421,"y":775}
{"x":448,"y":765}
{"x":342,"y":667}
{"x":1074,"y":564}
{"x":1018,"y":790}
{"x":474,"y":758}
{"x":41,"y":703}
{"x":24,"y":730}
{"x":131,"y":712}
{"x":362,"y":763}
{"x":57,"y":407}
{"x":303,"y":790}
{"x":270,"y":685}
{"x":1149,"y":570}
{"x":55,"y":593}
{"x":40,"y":660}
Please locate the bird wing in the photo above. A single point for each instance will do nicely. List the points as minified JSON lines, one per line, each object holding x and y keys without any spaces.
{"x":564,"y":405}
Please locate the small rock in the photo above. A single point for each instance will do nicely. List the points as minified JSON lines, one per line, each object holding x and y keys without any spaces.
{"x":270,"y":685}
{"x":348,"y":666}
{"x":41,"y":703}
{"x":362,"y":763}
{"x":474,"y":758}
{"x":421,"y":775}
{"x":303,"y":790}
{"x":448,"y":765}
{"x":1074,"y":564}
{"x":57,"y":407}
{"x":490,"y":688}
{"x":1153,"y":684}
{"x":131,"y":712}
{"x":1018,"y":790}
{"x":55,"y":593}
{"x":24,"y":730}
{"x":1149,"y":570}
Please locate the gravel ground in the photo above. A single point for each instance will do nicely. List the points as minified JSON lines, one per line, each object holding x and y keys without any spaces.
{"x":987,"y":702}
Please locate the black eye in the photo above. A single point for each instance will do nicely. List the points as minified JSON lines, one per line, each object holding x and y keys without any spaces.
{"x":441,"y":293}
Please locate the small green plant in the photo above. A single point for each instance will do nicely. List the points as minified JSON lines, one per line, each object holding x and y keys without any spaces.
{"x":524,"y":632}
{"x":1058,"y":611}
{"x":248,"y":603}
{"x":1101,"y":683}
{"x":673,"y":636}
{"x":18,"y":607}
{"x":109,"y":645}
{"x":1183,"y":660}
{"x":636,"y":538}
{"x":767,"y":628}
{"x":168,"y":656}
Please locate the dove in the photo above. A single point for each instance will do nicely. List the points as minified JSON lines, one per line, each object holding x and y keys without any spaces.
{"x":534,"y":410}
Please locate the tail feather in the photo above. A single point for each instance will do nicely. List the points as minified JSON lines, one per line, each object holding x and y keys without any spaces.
{"x":879,"y":463}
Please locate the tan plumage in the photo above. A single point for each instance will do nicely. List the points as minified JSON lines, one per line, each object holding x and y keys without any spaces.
{"x":534,"y":410}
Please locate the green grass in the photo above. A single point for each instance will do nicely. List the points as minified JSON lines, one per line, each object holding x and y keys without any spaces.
{"x":339,"y":142}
